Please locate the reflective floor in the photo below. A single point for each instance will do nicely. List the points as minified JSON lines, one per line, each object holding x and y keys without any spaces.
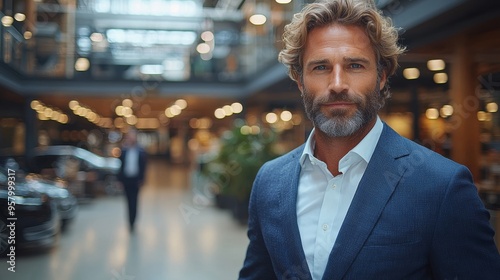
{"x":177,"y":237}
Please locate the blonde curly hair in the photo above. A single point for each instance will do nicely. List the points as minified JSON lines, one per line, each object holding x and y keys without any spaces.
{"x":379,"y":29}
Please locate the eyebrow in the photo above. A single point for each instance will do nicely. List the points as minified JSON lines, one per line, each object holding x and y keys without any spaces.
{"x":317,"y":62}
{"x":357,"y":60}
{"x":346,"y":59}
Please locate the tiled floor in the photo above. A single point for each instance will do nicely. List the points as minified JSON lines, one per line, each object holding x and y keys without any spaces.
{"x":176,"y":238}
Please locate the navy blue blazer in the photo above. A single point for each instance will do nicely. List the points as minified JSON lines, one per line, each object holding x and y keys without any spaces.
{"x":415,"y":215}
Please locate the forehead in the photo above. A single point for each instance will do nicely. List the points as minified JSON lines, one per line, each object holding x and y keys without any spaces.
{"x":338,"y":39}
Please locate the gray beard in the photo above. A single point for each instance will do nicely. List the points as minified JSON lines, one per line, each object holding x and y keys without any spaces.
{"x":341,"y":125}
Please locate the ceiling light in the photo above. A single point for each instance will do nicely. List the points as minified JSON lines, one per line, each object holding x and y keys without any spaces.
{"x":28,"y":35}
{"x":20,"y":16}
{"x":436,"y":64}
{"x":181,"y":103}
{"x":271,"y":118}
{"x":207,"y":36}
{"x":411,"y":73}
{"x":283,"y":1}
{"x":127,"y":112}
{"x":97,"y":37}
{"x":127,"y":103}
{"x":34,"y":104}
{"x":7,"y":21}
{"x":446,"y":111}
{"x":63,"y":118}
{"x":203,"y":48}
{"x":119,"y":110}
{"x":175,"y":109}
{"x":228,"y":111}
{"x":258,"y":19}
{"x":481,"y":116}
{"x":286,"y":116}
{"x":492,"y":107}
{"x":132,"y":120}
{"x":168,"y":113}
{"x":440,"y":78}
{"x":219,"y":113}
{"x":432,"y":113}
{"x":73,"y":104}
{"x":237,"y":107}
{"x":82,"y":64}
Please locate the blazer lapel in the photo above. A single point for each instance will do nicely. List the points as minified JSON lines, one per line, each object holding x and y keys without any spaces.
{"x":382,"y":174}
{"x":293,"y":252}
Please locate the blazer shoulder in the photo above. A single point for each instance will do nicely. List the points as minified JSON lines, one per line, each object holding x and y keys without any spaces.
{"x":420,"y":159}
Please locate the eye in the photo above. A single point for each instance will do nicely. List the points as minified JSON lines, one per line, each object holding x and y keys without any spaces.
{"x":320,"y":67}
{"x":356,"y":66}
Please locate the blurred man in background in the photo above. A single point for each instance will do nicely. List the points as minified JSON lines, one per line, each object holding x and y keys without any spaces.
{"x":132,"y":173}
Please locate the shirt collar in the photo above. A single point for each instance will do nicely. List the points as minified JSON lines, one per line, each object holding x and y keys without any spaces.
{"x":364,"y":149}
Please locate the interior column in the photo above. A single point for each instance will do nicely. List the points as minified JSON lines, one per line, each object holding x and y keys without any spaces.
{"x":464,"y":125}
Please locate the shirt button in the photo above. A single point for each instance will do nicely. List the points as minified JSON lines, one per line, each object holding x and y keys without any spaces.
{"x":334,"y":186}
{"x":325,"y":227}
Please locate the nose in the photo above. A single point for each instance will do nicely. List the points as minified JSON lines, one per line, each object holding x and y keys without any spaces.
{"x":338,"y":80}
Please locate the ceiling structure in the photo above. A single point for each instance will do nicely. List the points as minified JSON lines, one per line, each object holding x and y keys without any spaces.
{"x":100,"y":51}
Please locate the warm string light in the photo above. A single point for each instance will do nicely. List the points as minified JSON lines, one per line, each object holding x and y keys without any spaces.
{"x":46,"y":113}
{"x":176,"y":108}
{"x":228,"y":110}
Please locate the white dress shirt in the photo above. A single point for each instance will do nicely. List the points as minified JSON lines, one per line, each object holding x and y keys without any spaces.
{"x":131,"y":162}
{"x":323,"y":199}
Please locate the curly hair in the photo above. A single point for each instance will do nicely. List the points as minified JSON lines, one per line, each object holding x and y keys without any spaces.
{"x":379,"y":29}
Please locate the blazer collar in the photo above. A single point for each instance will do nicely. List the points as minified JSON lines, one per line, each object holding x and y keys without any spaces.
{"x":293,"y":251}
{"x":383,"y":173}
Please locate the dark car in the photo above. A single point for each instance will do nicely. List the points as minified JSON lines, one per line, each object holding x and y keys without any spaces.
{"x":87,"y":174}
{"x":32,"y":220}
{"x":67,"y":205}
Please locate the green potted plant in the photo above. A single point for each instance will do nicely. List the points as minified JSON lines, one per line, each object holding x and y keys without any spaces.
{"x":243,"y":151}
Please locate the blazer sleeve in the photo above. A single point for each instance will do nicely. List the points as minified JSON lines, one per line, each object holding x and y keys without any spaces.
{"x":120,"y":174}
{"x":463,"y":245}
{"x":257,"y":264}
{"x":142,"y":164}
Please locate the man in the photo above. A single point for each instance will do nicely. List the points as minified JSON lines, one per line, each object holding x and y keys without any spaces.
{"x":358,"y":201}
{"x":132,"y":172}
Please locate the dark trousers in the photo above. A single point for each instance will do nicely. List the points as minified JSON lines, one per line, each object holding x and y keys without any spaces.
{"x":131,"y":188}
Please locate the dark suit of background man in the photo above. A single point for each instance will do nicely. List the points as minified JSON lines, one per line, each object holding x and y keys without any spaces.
{"x":357,"y":200}
{"x":132,"y":172}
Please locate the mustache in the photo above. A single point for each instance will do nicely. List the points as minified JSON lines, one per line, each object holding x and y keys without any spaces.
{"x":339,"y":97}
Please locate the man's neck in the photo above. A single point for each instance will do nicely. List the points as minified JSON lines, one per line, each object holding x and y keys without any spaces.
{"x":332,"y":149}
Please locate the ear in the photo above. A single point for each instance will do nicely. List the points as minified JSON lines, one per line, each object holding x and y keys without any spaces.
{"x":383,"y":79}
{"x":300,"y":85}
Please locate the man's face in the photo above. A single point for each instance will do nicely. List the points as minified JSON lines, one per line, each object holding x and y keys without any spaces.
{"x":340,"y":84}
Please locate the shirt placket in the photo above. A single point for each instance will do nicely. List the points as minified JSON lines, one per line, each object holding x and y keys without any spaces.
{"x":328,"y":213}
